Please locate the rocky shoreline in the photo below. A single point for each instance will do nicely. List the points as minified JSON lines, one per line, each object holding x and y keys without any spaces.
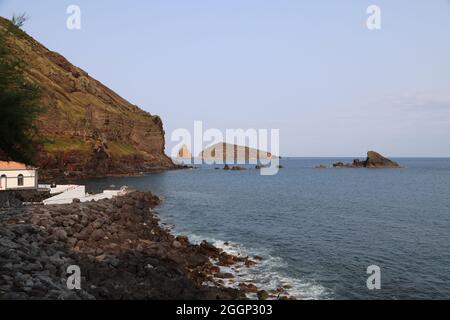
{"x":120,"y":248}
{"x":66,"y":177}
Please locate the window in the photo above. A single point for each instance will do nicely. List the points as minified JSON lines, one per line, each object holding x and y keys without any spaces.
{"x":3,"y":180}
{"x":20,"y":180}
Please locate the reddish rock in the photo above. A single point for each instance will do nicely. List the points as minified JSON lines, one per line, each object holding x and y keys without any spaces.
{"x":248,"y":287}
{"x":376,"y":160}
{"x":97,"y":235}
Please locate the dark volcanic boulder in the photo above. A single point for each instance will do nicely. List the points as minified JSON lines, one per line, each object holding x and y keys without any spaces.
{"x":376,"y":160}
{"x":358,"y":163}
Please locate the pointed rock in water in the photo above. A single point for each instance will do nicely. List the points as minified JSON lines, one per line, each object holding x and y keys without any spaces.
{"x":373,"y":160}
{"x":376,"y":160}
{"x":184,"y":153}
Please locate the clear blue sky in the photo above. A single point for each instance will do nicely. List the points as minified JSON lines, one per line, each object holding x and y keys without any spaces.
{"x":310,"y":68}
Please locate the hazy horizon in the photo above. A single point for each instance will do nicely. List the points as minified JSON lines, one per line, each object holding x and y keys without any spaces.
{"x":312,"y":70}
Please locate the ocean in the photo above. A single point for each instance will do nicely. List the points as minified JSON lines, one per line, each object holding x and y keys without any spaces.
{"x":318,"y":230}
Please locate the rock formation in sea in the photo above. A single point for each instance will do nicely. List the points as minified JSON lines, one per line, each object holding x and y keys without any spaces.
{"x":376,"y":160}
{"x":232,"y":152}
{"x":87,"y":129}
{"x":373,"y":160}
{"x":233,"y":168}
{"x":184,"y":153}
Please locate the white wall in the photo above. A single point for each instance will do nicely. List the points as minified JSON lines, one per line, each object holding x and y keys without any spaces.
{"x":60,"y":188}
{"x":78,"y":192}
{"x":29,"y":179}
{"x":107,"y":194}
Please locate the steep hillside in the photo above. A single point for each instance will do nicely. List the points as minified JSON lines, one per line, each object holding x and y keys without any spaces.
{"x":87,"y":129}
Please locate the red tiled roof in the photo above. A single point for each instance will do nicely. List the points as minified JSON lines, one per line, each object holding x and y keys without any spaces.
{"x":13,"y":165}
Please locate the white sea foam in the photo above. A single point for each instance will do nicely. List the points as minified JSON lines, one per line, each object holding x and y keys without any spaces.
{"x":267,"y":274}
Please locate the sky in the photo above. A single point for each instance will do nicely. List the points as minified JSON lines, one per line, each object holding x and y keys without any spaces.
{"x":311,"y":69}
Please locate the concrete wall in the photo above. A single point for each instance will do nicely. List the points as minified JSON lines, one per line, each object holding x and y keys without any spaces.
{"x":9,"y":179}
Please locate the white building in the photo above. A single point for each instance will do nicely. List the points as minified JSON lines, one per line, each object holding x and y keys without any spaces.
{"x":17,"y":176}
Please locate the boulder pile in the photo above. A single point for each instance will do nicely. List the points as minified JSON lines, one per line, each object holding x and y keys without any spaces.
{"x":120,"y":248}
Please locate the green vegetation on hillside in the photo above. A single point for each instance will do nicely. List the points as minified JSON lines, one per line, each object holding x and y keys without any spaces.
{"x":66,"y":144}
{"x":55,"y":145}
{"x":19,"y":106}
{"x":121,"y":149}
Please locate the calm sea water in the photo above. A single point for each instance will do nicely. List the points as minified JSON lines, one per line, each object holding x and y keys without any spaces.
{"x":319,"y":229}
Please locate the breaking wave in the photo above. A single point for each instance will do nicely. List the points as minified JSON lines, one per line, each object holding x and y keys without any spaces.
{"x":267,"y":274}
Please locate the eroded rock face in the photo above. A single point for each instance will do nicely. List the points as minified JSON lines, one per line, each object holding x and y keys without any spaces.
{"x":88,"y":130}
{"x":376,"y":160}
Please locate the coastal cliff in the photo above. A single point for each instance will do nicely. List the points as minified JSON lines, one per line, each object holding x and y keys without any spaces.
{"x":86,"y":129}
